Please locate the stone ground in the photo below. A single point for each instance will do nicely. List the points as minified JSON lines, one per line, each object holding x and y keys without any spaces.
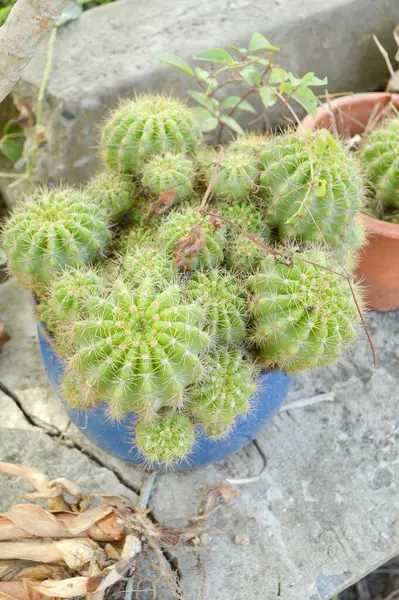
{"x":324,"y":513}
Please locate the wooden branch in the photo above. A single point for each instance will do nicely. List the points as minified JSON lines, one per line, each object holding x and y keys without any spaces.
{"x":29,"y":22}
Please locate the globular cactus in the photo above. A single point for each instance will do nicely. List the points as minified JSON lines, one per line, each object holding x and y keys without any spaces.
{"x":116,"y":194}
{"x":252,"y":143}
{"x":223,"y":303}
{"x":242,"y":252}
{"x":234,"y":178}
{"x":169,"y":172}
{"x":140,"y":348}
{"x":68,"y":295}
{"x":303,"y":315}
{"x":149,"y":124}
{"x":78,"y":392}
{"x":193,"y":239}
{"x":217,"y":431}
{"x":380,"y":156}
{"x":348,"y":254}
{"x":59,"y":228}
{"x":134,"y":238}
{"x":145,"y":262}
{"x":312,"y":187}
{"x":225,"y":390}
{"x":168,"y":440}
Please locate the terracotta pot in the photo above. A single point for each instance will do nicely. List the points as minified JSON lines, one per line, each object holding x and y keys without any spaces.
{"x":379,"y":262}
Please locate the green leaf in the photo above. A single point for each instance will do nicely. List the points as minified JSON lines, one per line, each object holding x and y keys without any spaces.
{"x":278,"y":75}
{"x":233,"y":101}
{"x":205,"y":120}
{"x":12,"y":147}
{"x":233,"y":47}
{"x":320,"y":191}
{"x":177,"y":63}
{"x":268,"y":95}
{"x":286,"y":87}
{"x":216,"y":55}
{"x":232,"y":123}
{"x":260,"y":42}
{"x":71,"y":12}
{"x":251,"y":75}
{"x":306,"y":98}
{"x":308,"y":79}
{"x":209,"y":103}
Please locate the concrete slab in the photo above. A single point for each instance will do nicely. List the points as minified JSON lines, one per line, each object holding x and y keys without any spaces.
{"x":326,"y":511}
{"x":111,"y":52}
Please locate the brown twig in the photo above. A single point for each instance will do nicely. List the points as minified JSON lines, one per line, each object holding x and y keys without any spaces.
{"x":213,"y":178}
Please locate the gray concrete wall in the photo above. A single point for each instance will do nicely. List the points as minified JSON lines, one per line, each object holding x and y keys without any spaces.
{"x":110,"y":52}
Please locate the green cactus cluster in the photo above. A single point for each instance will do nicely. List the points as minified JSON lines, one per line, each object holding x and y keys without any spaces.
{"x":380,"y":155}
{"x":311,"y":186}
{"x":161,"y":309}
{"x":58,"y":228}
{"x":150,"y":124}
{"x":303,"y":314}
{"x":169,"y":173}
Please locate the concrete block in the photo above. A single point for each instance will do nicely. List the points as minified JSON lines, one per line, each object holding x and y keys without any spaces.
{"x":110,"y":52}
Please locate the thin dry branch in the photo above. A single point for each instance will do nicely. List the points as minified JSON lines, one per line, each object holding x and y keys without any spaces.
{"x":29,"y":22}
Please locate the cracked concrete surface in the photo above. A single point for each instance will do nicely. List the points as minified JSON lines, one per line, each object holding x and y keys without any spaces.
{"x":324,"y":513}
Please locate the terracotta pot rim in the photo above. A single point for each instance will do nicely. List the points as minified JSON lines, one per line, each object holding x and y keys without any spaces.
{"x":308,"y":122}
{"x":380,"y":227}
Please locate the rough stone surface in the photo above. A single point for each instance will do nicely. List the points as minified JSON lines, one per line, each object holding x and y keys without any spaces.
{"x":323,"y":514}
{"x":111,"y":52}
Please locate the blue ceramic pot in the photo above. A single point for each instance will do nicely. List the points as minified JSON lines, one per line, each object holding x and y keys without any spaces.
{"x":116,"y":438}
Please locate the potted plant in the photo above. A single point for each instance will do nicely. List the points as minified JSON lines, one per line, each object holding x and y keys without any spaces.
{"x":179,"y":291}
{"x":373,"y":117}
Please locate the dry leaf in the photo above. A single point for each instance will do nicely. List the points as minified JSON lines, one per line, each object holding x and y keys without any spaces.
{"x":67,"y":588}
{"x":13,"y":590}
{"x":188,"y":248}
{"x":4,"y":337}
{"x":16,"y":570}
{"x":73,"y":552}
{"x":88,"y":519}
{"x":160,"y":205}
{"x":36,"y":521}
{"x":38,"y":480}
{"x":26,"y":117}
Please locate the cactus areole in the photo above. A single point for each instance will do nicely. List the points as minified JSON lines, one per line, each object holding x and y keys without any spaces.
{"x":171,"y":334}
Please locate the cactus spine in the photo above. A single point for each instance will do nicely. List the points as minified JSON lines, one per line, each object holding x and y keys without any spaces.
{"x":312,"y":187}
{"x":169,"y":172}
{"x":59,"y":228}
{"x":149,"y":124}
{"x":234,"y":178}
{"x":303,"y":315}
{"x":139,"y":349}
{"x":225,"y":390}
{"x":114,"y":193}
{"x":223,"y":303}
{"x":166,"y":441}
{"x":380,"y":156}
{"x":210,"y":239}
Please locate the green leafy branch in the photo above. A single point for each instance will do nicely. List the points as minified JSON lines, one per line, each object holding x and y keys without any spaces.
{"x":252,"y":68}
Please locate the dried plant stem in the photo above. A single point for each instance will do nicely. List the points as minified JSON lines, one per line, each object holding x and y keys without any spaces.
{"x":213,"y":178}
{"x":28,"y":23}
{"x":385,"y":55}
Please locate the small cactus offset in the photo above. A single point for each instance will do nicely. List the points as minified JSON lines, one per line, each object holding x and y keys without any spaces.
{"x":217,"y":431}
{"x":166,"y":441}
{"x":242,"y":252}
{"x":59,"y":228}
{"x":114,"y":193}
{"x":234,"y":177}
{"x":169,"y":173}
{"x":145,"y":262}
{"x":193,"y":239}
{"x":223,"y":303}
{"x":139,"y":349}
{"x":252,"y":143}
{"x":380,"y":157}
{"x":312,"y":187}
{"x":149,"y":124}
{"x":78,"y":392}
{"x":303,"y":315}
{"x":225,"y":390}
